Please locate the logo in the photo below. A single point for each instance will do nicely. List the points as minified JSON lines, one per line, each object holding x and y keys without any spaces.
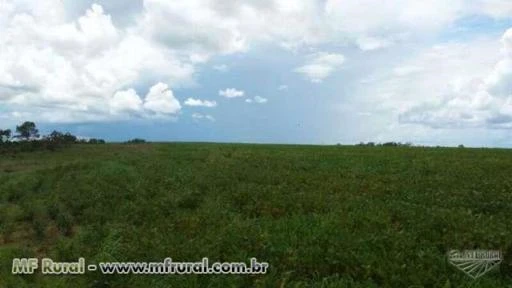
{"x":475,"y":263}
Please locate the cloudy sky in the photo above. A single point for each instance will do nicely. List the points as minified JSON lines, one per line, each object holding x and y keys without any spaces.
{"x":430,"y":72}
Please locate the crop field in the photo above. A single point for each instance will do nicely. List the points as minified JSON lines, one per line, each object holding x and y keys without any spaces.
{"x":321,"y":216}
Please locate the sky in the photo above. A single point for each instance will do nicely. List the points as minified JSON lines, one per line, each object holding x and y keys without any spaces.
{"x":431,"y":72}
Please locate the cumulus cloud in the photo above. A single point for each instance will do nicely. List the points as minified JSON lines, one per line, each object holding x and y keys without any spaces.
{"x":257,"y":99}
{"x":260,"y":100}
{"x":160,"y":99}
{"x":480,"y":101}
{"x":212,"y":33}
{"x":125,"y":101}
{"x":234,"y":26}
{"x":231,"y":93}
{"x":199,"y":102}
{"x":199,"y":116}
{"x":73,"y":71}
{"x":499,"y":81}
{"x":320,"y":66}
{"x":373,"y":18}
{"x":62,"y":65}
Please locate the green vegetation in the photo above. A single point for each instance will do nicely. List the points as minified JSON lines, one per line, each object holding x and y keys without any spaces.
{"x":27,"y":130}
{"x":136,"y":141}
{"x":28,"y":139}
{"x":322,"y":216}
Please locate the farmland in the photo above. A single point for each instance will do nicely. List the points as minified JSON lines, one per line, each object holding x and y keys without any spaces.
{"x":321,"y":216}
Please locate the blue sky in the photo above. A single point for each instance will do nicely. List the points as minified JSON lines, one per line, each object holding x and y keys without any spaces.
{"x":319,"y":72}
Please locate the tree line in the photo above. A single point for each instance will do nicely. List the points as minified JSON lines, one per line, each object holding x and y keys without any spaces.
{"x":27,"y":138}
{"x":392,"y":144}
{"x":396,"y":144}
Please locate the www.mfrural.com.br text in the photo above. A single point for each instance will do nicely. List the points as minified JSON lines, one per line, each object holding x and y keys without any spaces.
{"x":48,"y":266}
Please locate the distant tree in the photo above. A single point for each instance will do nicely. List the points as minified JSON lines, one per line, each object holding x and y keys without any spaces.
{"x":96,"y":141}
{"x":136,"y":141}
{"x":61,"y":138}
{"x":5,"y":135}
{"x":461,"y":146}
{"x":369,"y":144}
{"x":27,"y":130}
{"x":54,"y":136}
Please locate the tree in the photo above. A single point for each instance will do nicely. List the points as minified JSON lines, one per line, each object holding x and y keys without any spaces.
{"x":61,"y":138}
{"x":96,"y":141}
{"x":136,"y":141}
{"x":55,"y":135}
{"x":5,"y":135}
{"x":27,"y":130}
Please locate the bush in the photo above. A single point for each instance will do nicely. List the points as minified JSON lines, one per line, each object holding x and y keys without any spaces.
{"x":136,"y":141}
{"x":390,"y":144}
{"x":96,"y":141}
{"x":61,"y":138}
{"x":27,"y":140}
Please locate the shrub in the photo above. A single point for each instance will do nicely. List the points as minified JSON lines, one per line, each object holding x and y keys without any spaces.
{"x":136,"y":141}
{"x":96,"y":141}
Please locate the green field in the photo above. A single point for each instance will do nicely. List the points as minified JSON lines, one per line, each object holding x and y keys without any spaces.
{"x":321,"y":216}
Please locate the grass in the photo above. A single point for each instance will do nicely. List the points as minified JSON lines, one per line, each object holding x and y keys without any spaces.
{"x":321,"y":216}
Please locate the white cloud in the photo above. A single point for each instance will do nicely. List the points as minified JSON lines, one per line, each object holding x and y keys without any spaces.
{"x":496,"y":8}
{"x":282,"y":87}
{"x":212,"y":32}
{"x":428,"y":76}
{"x":499,"y":81}
{"x":161,"y":100}
{"x":260,"y":100}
{"x":60,"y":67}
{"x":199,"y":116}
{"x":199,"y":102}
{"x":374,"y":17}
{"x":406,"y":70}
{"x":71,"y":71}
{"x":321,"y":65}
{"x":125,"y":101}
{"x":372,"y":43}
{"x":221,"y":68}
{"x":231,"y":93}
{"x":481,"y":98}
{"x":229,"y":27}
{"x":257,"y":99}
